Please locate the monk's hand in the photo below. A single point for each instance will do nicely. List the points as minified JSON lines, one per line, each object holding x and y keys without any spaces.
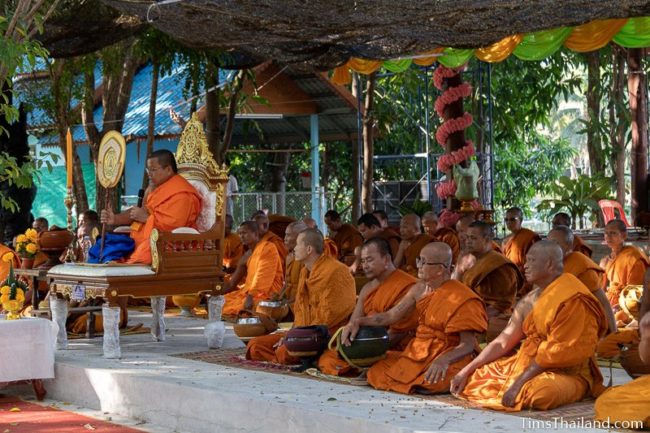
{"x":437,"y":371}
{"x":248,"y":303}
{"x":278,"y":344}
{"x":138,"y":214}
{"x":458,"y":383}
{"x":510,"y":397}
{"x":404,"y":244}
{"x":349,"y":332}
{"x":107,"y":217}
{"x":466,"y":262}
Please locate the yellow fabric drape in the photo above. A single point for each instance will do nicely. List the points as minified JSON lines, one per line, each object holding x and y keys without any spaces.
{"x":593,"y":35}
{"x":499,"y":51}
{"x":428,"y":61}
{"x":364,"y":66}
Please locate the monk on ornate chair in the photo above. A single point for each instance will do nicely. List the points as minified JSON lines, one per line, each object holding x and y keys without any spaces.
{"x":178,"y":241}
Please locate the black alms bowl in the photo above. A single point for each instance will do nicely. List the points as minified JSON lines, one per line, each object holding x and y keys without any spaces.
{"x":369,"y":345}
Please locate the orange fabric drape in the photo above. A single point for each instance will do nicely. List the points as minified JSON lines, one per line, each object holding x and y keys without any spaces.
{"x":593,"y":35}
{"x":429,"y":60}
{"x":364,"y":66}
{"x":499,"y":51}
{"x":342,"y":75}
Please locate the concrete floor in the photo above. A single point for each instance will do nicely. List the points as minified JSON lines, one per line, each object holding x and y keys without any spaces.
{"x":161,"y":393}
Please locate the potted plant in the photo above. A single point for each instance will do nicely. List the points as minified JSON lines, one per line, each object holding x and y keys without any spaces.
{"x":12,"y":292}
{"x":27,"y":248}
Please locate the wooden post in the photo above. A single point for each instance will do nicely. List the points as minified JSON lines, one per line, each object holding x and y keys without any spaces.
{"x":638,"y":96}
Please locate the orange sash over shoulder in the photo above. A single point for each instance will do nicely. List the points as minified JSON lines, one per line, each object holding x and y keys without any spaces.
{"x":450,"y":237}
{"x":562,"y":331}
{"x":413,"y":252}
{"x":347,"y":239}
{"x":580,"y":246}
{"x":233,"y":250}
{"x":171,"y":205}
{"x":517,"y":246}
{"x":582,"y":267}
{"x":278,"y":242}
{"x":627,"y":268}
{"x":392,"y":238}
{"x":495,"y":279}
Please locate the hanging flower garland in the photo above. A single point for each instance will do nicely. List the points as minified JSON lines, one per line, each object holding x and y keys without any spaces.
{"x":450,"y":95}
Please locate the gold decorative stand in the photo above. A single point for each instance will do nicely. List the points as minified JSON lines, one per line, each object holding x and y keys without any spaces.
{"x":69,"y":202}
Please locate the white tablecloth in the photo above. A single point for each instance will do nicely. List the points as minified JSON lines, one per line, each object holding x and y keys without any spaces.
{"x":27,"y":349}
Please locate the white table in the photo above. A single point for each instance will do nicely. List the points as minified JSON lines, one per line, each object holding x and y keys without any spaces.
{"x":27,"y":351}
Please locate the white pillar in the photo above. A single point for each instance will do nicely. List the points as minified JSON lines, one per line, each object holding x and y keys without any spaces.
{"x":316,"y":211}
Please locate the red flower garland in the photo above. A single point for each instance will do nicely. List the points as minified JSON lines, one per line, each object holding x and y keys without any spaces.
{"x":446,"y":188}
{"x":451,"y":95}
{"x":453,"y":125}
{"x":448,"y":160}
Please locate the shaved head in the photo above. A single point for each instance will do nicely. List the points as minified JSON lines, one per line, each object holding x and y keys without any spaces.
{"x":563,"y":236}
{"x":617,"y":224}
{"x":251,"y":226}
{"x":429,"y":216}
{"x":314,"y":239}
{"x":409,"y":226}
{"x":291,"y":233}
{"x":561,"y":219}
{"x":262,"y":222}
{"x":551,"y":251}
{"x":310,"y":222}
{"x":437,"y":252}
{"x":463,"y":223}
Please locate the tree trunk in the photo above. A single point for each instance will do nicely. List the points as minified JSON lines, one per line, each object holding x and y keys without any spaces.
{"x":594,"y":142}
{"x":230,"y":116}
{"x":638,"y":96}
{"x":152,"y":118}
{"x":368,"y":144}
{"x":356,"y":174}
{"x":617,"y":121}
{"x":212,"y":109}
{"x":279,"y":168}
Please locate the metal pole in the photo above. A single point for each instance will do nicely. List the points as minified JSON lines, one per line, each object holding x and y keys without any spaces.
{"x":427,"y":135}
{"x":316,"y":212}
{"x":490,"y":133}
{"x":359,"y":143}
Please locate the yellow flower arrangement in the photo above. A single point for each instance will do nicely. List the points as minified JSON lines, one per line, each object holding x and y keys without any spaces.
{"x":12,"y":292}
{"x":27,"y":244}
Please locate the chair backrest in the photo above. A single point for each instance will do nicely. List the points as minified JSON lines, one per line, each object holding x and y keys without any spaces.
{"x":197,"y":164}
{"x":610,"y":209}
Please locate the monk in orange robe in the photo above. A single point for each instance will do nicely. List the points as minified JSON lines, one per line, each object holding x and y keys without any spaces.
{"x":264,"y":272}
{"x":434,"y":228}
{"x":631,"y":402}
{"x":413,"y":240}
{"x":516,"y":245}
{"x":325,"y":296}
{"x":266,"y":235}
{"x":293,"y":267}
{"x":346,"y":237}
{"x":233,"y":248}
{"x":625,"y":265}
{"x":558,"y":325}
{"x":170,"y":202}
{"x":492,"y":276}
{"x":330,"y":246}
{"x":385,"y":288}
{"x":584,"y":269}
{"x":449,"y":316}
{"x":579,"y":245}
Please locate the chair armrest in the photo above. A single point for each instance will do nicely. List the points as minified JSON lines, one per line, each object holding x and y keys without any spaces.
{"x":187,"y":252}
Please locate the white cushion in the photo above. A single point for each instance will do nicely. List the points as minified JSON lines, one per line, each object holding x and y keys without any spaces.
{"x":208,"y":215}
{"x":186,"y":230}
{"x":122,"y":229}
{"x":100,"y":270}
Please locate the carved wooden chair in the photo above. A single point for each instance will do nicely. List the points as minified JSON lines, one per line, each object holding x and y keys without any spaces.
{"x":185,"y":261}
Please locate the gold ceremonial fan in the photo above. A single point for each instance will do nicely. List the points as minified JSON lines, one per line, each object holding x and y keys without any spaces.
{"x":110,"y":161}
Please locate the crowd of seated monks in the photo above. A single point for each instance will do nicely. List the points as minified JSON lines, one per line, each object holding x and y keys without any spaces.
{"x":443,"y":287}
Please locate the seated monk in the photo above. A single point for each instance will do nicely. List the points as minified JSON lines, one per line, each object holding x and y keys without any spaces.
{"x":385,"y":288}
{"x":584,"y":269}
{"x":449,"y":316}
{"x":233,"y":248}
{"x":330,"y":246}
{"x":563,"y":219}
{"x":558,"y":325}
{"x":631,"y":402}
{"x":413,"y":240}
{"x":516,"y":245}
{"x":625,"y":265}
{"x":492,"y":276}
{"x":293,"y":267}
{"x":369,"y":227}
{"x":266,"y":235}
{"x":170,"y":202}
{"x":264,"y":271}
{"x":438,"y":231}
{"x":325,"y":296}
{"x":346,"y":236}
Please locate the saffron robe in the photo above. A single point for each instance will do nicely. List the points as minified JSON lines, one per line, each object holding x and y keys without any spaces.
{"x":585,"y":269}
{"x":264,"y":277}
{"x":171,"y":205}
{"x":233,"y":250}
{"x":629,"y":402}
{"x":627,"y":268}
{"x":412,"y":252}
{"x":347,"y":239}
{"x":450,"y":237}
{"x":278,"y":242}
{"x":561,"y":331}
{"x":495,"y":279}
{"x":384,"y":297}
{"x":516,"y":247}
{"x":580,"y":246}
{"x":330,"y":248}
{"x":443,"y":314}
{"x":392,"y":238}
{"x":325,"y":296}
{"x":292,"y":278}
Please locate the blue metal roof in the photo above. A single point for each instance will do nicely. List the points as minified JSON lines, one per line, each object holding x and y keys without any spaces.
{"x":170,"y":95}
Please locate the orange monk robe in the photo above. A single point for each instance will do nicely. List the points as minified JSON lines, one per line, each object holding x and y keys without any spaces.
{"x":347,"y":239}
{"x":627,"y":268}
{"x":629,"y":402}
{"x":496,"y":247}
{"x":264,"y":277}
{"x":412,"y":252}
{"x":392,"y":238}
{"x":496,"y":280}
{"x":561,"y":331}
{"x":233,"y":250}
{"x":292,"y":279}
{"x":582,"y":267}
{"x":450,"y":237}
{"x":325,"y":296}
{"x":171,"y":205}
{"x":384,"y":297}
{"x":449,"y":310}
{"x":4,"y":266}
{"x":610,"y":346}
{"x":330,"y":248}
{"x":580,"y":246}
{"x":40,"y":258}
{"x":516,"y":247}
{"x":278,"y":242}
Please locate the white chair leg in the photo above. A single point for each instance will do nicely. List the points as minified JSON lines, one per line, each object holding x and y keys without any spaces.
{"x":59,"y":310}
{"x":158,"y":319}
{"x":111,"y":318}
